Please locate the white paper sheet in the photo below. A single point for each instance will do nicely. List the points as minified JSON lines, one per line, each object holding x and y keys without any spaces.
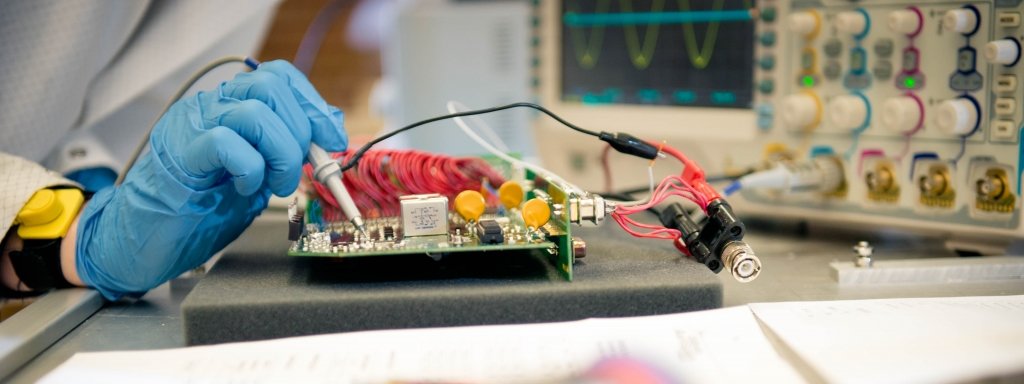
{"x":903,"y":340}
{"x":723,"y":345}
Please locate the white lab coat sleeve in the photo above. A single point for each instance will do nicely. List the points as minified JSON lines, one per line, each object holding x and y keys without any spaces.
{"x":52,"y":51}
{"x":82,"y":150}
{"x":177,"y":38}
{"x":19,"y":180}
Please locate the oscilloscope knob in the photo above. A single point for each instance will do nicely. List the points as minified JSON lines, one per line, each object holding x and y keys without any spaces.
{"x":962,"y":20}
{"x":905,"y":21}
{"x":804,"y":23}
{"x":848,"y":111}
{"x":852,"y":22}
{"x":957,"y":116}
{"x":902,"y":114}
{"x":801,"y":111}
{"x":1005,"y":51}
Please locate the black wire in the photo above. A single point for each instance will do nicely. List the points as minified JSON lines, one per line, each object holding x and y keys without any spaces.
{"x":359,"y":154}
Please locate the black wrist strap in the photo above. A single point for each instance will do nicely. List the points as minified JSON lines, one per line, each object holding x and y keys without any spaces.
{"x":38,"y":265}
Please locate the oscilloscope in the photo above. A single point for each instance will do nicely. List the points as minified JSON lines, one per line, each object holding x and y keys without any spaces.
{"x":916,"y":103}
{"x":604,"y":72}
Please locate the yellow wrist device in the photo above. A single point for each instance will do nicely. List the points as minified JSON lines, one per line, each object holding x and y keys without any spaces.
{"x":42,"y":224}
{"x":49,"y":213}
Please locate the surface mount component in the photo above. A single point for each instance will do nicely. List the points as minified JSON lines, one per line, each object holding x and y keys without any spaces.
{"x":424,"y":215}
{"x":489,"y":232}
{"x":425,"y":226}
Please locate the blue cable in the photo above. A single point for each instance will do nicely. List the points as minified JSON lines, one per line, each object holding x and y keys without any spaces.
{"x":251,"y":62}
{"x":732,"y":188}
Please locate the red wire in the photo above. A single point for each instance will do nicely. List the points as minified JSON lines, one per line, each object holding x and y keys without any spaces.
{"x":690,"y":184}
{"x":384,"y":175}
{"x":607,"y":168}
{"x":693,"y":174}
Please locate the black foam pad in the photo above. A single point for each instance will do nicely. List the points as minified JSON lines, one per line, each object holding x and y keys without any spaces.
{"x":258,"y":292}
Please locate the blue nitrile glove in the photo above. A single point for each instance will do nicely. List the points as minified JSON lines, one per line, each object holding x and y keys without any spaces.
{"x":214,"y":160}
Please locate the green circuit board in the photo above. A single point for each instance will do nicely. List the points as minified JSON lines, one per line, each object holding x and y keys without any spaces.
{"x":339,"y":239}
{"x":386,"y":236}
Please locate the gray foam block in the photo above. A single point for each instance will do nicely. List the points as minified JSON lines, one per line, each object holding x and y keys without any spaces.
{"x":257,"y":292}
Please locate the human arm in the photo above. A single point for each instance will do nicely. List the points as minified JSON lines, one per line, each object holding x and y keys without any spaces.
{"x":214,"y":160}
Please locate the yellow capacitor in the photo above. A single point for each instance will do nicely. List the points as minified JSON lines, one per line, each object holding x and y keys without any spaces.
{"x":511,"y":194}
{"x":470,"y":205}
{"x":536,"y":213}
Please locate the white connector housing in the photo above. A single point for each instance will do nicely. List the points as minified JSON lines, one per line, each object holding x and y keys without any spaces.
{"x":589,"y":210}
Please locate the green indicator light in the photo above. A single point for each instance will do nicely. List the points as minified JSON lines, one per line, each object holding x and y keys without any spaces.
{"x":808,"y":81}
{"x":909,"y":82}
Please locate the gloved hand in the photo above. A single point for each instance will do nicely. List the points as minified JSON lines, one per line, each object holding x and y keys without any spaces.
{"x":214,"y":160}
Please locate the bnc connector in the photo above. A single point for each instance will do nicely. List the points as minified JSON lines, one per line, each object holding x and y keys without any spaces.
{"x":587,"y":210}
{"x":741,"y":261}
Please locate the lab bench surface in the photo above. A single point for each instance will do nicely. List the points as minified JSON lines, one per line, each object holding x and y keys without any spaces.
{"x":257,"y":292}
{"x":795,"y":267}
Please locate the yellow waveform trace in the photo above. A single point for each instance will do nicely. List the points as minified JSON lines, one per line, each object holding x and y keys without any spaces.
{"x":641,"y":53}
{"x":586,"y":51}
{"x":701,"y":59}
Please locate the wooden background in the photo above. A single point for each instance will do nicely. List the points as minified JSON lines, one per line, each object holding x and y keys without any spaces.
{"x":342,"y":74}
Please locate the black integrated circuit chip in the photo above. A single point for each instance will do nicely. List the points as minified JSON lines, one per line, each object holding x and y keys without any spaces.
{"x":489,"y":232}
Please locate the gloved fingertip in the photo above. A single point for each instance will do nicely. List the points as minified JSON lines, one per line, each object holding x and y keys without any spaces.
{"x":247,"y":185}
{"x":337,"y":116}
{"x":284,"y":186}
{"x":282,"y":67}
{"x":331,"y":135}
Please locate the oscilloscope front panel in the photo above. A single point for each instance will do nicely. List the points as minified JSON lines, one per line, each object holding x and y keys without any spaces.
{"x":920,"y":101}
{"x":900,"y":93}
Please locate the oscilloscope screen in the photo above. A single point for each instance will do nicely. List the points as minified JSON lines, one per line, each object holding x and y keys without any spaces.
{"x":611,"y":61}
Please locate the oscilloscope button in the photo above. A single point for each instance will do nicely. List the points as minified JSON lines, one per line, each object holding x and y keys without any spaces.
{"x":765,"y":116}
{"x":905,"y":21}
{"x":901,"y":114}
{"x":803,"y":23}
{"x":957,"y":117}
{"x":767,"y":38}
{"x":911,"y":60}
{"x":767,"y":62}
{"x":807,"y":59}
{"x":848,"y":111}
{"x":833,"y":47}
{"x":882,"y":69}
{"x":962,"y":20}
{"x":832,"y":69}
{"x":1005,"y":106}
{"x":800,"y":111}
{"x":965,"y":59}
{"x":1006,"y":83}
{"x":852,"y":22}
{"x":1003,"y":130}
{"x":768,"y":14}
{"x":766,"y":86}
{"x":858,"y":60}
{"x":883,"y":47}
{"x":1008,"y":19}
{"x":1004,"y":51}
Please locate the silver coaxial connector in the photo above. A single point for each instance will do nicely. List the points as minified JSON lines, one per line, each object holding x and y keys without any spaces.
{"x":741,"y":261}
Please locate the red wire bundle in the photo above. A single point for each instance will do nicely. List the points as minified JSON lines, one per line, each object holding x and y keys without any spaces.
{"x":670,"y":186}
{"x":690,"y":184}
{"x":384,"y":175}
